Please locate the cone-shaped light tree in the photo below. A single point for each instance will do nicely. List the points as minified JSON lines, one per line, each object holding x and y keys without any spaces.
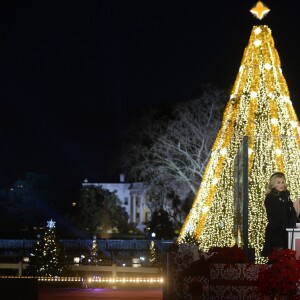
{"x":260,"y":108}
{"x":48,"y":258}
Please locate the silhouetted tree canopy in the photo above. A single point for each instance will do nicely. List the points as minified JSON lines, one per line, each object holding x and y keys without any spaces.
{"x":161,"y":225}
{"x":100,"y":212}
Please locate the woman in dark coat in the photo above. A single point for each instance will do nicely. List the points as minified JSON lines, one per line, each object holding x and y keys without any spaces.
{"x":280,"y":213}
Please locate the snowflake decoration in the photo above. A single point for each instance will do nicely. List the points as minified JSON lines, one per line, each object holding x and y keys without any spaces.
{"x":51,"y":224}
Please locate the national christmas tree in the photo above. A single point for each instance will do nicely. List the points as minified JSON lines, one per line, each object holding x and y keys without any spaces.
{"x":261,"y":109}
{"x":48,"y":258}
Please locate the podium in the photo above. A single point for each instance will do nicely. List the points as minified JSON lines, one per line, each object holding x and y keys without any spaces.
{"x":294,"y":239}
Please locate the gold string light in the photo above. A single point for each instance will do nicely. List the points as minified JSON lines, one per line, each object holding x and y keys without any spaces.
{"x":260,"y":108}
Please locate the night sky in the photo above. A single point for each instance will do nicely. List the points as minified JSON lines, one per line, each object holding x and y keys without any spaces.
{"x":74,"y":74}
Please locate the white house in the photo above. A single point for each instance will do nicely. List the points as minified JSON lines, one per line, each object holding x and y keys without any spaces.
{"x":132,"y":196}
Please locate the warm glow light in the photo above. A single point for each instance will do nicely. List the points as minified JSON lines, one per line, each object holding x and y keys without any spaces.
{"x":223,"y":151}
{"x":257,"y":43}
{"x":214,"y":181}
{"x":125,"y":280}
{"x":294,"y":124}
{"x":271,"y":95}
{"x":262,"y":110}
{"x":257,"y":30}
{"x":268,"y":66}
{"x":96,"y":279}
{"x":260,"y":10}
{"x":205,"y":209}
{"x":253,"y":95}
{"x":76,"y":260}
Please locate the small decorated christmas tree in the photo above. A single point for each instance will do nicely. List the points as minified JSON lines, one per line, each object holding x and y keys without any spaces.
{"x":154,"y":257}
{"x":94,"y":253}
{"x":48,"y":258}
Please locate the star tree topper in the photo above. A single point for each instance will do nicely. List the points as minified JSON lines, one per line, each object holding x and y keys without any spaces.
{"x":260,"y":10}
{"x":51,"y":224}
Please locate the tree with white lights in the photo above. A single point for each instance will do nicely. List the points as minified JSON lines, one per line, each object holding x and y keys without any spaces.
{"x":48,"y":258}
{"x":154,"y":257}
{"x":94,"y":253}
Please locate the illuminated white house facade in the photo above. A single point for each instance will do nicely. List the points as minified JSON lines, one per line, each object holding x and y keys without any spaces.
{"x":132,"y":196}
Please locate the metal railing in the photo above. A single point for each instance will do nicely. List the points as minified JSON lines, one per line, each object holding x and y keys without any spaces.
{"x":86,"y":244}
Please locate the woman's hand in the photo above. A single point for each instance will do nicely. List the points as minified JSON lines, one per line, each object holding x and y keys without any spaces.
{"x":297,"y":206}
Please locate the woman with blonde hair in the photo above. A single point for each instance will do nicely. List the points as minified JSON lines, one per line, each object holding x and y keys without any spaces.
{"x":281,"y":214}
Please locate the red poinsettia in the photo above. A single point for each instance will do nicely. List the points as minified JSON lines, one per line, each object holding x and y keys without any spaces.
{"x":281,"y":276}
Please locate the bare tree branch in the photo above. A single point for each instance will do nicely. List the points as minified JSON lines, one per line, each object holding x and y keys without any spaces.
{"x":170,"y":153}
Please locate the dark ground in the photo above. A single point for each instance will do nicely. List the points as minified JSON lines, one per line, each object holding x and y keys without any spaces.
{"x":91,"y":294}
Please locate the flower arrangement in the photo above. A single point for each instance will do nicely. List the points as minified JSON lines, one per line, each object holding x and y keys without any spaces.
{"x":281,"y":276}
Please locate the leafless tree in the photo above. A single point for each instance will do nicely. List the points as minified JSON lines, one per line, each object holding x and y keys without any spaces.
{"x":171,"y":152}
